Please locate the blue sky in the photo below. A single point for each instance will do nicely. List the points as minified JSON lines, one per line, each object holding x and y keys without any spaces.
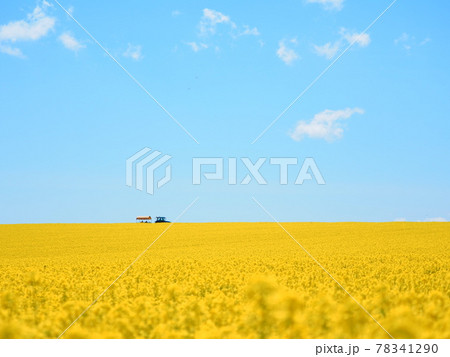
{"x":376,"y":124}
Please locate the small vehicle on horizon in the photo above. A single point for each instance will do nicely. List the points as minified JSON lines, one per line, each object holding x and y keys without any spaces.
{"x":161,"y":220}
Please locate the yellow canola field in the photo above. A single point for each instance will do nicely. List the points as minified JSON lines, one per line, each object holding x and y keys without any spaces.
{"x":225,"y":280}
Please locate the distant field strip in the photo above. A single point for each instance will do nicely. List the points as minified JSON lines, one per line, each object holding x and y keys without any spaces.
{"x":225,"y":280}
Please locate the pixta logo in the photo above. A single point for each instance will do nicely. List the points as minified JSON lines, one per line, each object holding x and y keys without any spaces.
{"x":144,"y":164}
{"x":212,"y":168}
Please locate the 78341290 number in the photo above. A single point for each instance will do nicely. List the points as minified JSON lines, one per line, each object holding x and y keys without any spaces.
{"x":416,"y":348}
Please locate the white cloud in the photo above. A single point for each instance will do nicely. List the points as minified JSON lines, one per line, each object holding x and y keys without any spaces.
{"x":435,"y":219}
{"x":329,"y":4}
{"x":209,"y":26}
{"x":361,"y":39}
{"x":408,"y":42}
{"x":37,"y":25}
{"x":176,"y":13}
{"x":70,"y":42}
{"x":403,"y":38}
{"x":249,"y":31}
{"x":210,"y":19}
{"x":197,"y":46}
{"x":425,"y":41}
{"x":328,"y":50}
{"x":12,"y":51}
{"x":134,"y":52}
{"x":286,"y":54}
{"x":324,"y":125}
